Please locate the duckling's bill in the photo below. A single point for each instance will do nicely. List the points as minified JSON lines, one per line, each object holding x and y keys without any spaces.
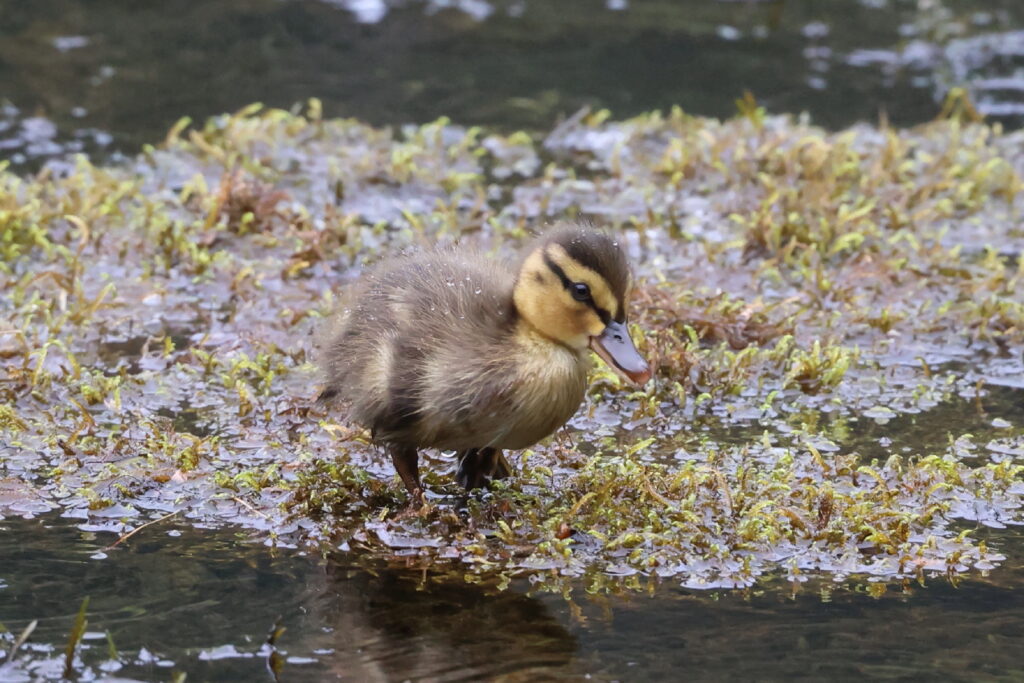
{"x":616,"y":348}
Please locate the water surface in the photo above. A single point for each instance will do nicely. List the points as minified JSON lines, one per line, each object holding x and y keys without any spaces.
{"x":104,"y":77}
{"x":201,"y":601}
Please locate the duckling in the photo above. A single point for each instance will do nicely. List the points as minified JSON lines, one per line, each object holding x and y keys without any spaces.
{"x":453,"y":350}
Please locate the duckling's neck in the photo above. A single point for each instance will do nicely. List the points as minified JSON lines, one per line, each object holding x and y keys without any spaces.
{"x":529,"y":334}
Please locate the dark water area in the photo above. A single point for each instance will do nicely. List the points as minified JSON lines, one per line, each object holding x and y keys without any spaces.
{"x":105,"y":78}
{"x":176,"y":599}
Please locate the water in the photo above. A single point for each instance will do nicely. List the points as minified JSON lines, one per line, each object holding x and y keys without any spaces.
{"x":114,"y":78}
{"x":202,"y":602}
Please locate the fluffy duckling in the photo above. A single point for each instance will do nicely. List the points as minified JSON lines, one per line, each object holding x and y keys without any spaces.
{"x":453,"y":350}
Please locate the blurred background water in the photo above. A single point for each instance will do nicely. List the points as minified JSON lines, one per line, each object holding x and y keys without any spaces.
{"x":105,"y":77}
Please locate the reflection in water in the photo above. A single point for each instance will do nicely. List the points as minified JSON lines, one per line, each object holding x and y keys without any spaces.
{"x":389,"y":626}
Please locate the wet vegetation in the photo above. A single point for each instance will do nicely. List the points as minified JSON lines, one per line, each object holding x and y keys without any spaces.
{"x":796,"y":286}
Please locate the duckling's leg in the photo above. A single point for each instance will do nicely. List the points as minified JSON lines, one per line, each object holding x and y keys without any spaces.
{"x":501,"y":469}
{"x":479,"y":465}
{"x":406,"y":462}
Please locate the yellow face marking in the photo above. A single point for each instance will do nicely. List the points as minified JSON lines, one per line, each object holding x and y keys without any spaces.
{"x":546,"y":304}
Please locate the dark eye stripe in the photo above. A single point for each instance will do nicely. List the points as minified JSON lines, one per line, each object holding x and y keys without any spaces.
{"x":605,"y":316}
{"x":557,"y":270}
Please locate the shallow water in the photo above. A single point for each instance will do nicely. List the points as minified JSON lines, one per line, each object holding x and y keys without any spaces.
{"x":202,"y":602}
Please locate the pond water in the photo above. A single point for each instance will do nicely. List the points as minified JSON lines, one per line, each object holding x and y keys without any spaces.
{"x":203,"y":601}
{"x":100,"y":77}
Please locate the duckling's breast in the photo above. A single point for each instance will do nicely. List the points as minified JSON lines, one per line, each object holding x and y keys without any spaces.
{"x":507,"y":398}
{"x":552,"y":383}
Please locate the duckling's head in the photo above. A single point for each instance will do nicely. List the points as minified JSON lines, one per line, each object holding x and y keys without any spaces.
{"x":572,"y":288}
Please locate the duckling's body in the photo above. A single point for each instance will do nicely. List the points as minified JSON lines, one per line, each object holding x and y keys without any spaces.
{"x":431,"y":354}
{"x":450,"y":349}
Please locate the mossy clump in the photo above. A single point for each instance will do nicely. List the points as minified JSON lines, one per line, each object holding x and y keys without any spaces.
{"x":799,"y":293}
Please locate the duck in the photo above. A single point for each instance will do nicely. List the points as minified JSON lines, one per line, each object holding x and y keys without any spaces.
{"x":451,"y":349}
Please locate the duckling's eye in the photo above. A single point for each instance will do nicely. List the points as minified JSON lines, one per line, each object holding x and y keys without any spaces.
{"x":580,"y":291}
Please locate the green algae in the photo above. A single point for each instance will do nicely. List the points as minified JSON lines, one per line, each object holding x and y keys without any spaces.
{"x":157,"y":326}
